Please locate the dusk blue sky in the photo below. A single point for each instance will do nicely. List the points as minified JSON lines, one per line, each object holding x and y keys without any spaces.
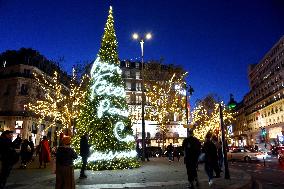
{"x":214,"y":40}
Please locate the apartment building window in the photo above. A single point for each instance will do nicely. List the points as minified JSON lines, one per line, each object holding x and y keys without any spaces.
{"x":128,"y":99}
{"x":19,"y":124}
{"x":7,"y":92}
{"x":27,"y":72}
{"x":2,"y":124}
{"x":127,"y":64}
{"x":127,"y":73}
{"x":137,"y":65}
{"x":138,"y":99}
{"x":148,"y":100}
{"x":138,"y":86}
{"x":24,"y":89}
{"x":128,"y":85}
{"x":137,"y":75}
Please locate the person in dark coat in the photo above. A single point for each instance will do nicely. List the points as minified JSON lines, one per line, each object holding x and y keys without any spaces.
{"x":25,"y":153}
{"x":84,"y":153}
{"x":64,"y":165}
{"x":211,"y":158}
{"x":170,"y":151}
{"x":191,"y":146}
{"x":17,"y":142}
{"x":8,"y":156}
{"x":32,"y":146}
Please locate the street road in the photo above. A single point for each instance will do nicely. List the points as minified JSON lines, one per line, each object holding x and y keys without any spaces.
{"x":268,"y":176}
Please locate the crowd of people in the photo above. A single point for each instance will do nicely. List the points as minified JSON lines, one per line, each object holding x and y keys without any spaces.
{"x":12,"y":151}
{"x":210,"y":153}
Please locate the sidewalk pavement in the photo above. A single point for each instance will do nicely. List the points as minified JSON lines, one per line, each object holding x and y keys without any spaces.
{"x":157,"y":173}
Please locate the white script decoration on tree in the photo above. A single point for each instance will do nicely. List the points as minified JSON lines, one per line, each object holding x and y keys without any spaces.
{"x":101,"y":86}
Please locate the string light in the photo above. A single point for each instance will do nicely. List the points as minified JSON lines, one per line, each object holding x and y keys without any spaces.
{"x":60,"y":105}
{"x":207,"y":120}
{"x":165,"y":100}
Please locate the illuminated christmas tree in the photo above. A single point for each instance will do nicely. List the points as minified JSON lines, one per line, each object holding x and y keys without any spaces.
{"x":104,"y":115}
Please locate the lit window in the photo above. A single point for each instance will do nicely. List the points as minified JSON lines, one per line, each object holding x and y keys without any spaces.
{"x":24,"y":89}
{"x":137,"y":65}
{"x":138,"y":75}
{"x":127,"y":64}
{"x":128,"y":85}
{"x":138,"y":99}
{"x":138,"y":86}
{"x":127,"y":74}
{"x":128,"y":99}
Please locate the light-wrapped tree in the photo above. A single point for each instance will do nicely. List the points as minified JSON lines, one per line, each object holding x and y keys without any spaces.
{"x":165,"y":94}
{"x":206,"y":117}
{"x":59,"y":104}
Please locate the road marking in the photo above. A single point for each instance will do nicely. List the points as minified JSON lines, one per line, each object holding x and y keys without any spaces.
{"x":132,"y":185}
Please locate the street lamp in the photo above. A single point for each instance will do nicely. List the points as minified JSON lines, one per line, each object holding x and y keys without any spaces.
{"x":190,"y":91}
{"x":148,"y":36}
{"x":224,"y":143}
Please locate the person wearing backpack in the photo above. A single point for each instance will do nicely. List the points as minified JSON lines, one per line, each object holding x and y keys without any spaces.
{"x":191,"y":146}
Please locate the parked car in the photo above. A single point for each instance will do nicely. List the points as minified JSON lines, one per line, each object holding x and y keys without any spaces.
{"x":246,"y":155}
{"x":154,"y":151}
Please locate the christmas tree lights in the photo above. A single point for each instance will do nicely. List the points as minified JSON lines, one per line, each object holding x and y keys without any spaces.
{"x":104,"y":113}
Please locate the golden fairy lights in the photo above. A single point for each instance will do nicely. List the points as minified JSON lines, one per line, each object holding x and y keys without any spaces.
{"x":165,"y":100}
{"x":60,"y":104}
{"x":206,"y":119}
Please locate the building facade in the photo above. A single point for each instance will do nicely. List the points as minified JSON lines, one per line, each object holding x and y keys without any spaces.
{"x":260,"y":116}
{"x":131,"y":74}
{"x":19,"y":88}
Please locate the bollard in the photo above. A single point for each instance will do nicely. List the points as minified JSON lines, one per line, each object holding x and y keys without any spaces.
{"x":263,"y":161}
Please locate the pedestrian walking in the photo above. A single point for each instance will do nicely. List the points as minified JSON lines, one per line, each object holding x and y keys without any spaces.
{"x":25,"y":153}
{"x":138,"y":150}
{"x":84,"y":153}
{"x":176,"y":153}
{"x":17,"y":142}
{"x":211,"y":158}
{"x":170,"y":151}
{"x":44,"y":152}
{"x":8,"y":156}
{"x":191,"y":146}
{"x":64,"y":165}
{"x":219,"y":164}
{"x":32,"y":146}
{"x":147,"y":154}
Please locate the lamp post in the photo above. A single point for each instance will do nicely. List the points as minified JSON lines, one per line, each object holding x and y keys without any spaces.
{"x":190,"y":91}
{"x":224,"y":142}
{"x":148,"y":36}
